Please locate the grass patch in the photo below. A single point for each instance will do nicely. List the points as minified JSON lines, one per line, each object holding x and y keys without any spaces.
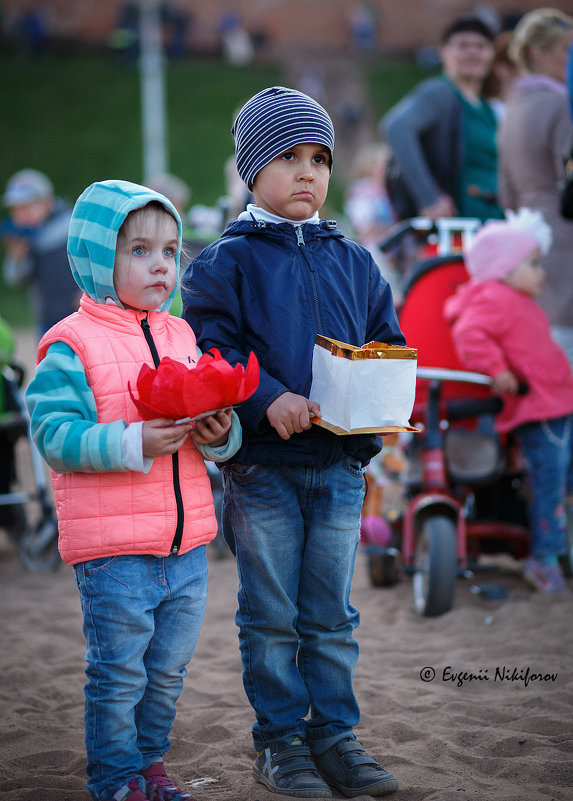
{"x":77,"y":118}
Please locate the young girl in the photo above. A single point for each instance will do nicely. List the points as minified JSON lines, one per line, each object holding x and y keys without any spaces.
{"x":135,"y":509}
{"x":499,"y":329}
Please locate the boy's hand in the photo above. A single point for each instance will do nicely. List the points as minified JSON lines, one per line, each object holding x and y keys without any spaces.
{"x":291,"y":413}
{"x":505,"y":383}
{"x":212,"y":430}
{"x":162,"y":437}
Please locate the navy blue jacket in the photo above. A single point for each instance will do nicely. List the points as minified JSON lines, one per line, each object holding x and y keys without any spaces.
{"x":271,"y":288}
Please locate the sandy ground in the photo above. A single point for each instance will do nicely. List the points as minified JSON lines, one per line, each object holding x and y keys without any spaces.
{"x":476,"y":704}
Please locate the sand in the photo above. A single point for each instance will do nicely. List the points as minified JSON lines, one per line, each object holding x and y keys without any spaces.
{"x":504,"y":734}
{"x":495,"y":722}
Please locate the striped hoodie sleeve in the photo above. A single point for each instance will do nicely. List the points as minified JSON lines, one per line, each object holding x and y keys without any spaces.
{"x":63,"y":417}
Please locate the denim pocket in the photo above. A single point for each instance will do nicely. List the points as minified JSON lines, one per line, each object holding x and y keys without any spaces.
{"x":92,"y":566}
{"x":354,"y":466}
{"x":243,"y":471}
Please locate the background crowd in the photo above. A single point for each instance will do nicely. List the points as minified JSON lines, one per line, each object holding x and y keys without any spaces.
{"x":491,"y":132}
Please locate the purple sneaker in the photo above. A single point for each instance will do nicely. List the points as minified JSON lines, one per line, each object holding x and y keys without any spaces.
{"x":545,"y":578}
{"x":129,"y":792}
{"x":555,"y":584}
{"x":160,"y":787}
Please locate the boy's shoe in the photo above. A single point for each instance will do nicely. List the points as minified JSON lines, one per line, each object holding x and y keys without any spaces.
{"x":347,"y":767}
{"x":159,"y":787}
{"x":129,"y":792}
{"x":288,"y":769}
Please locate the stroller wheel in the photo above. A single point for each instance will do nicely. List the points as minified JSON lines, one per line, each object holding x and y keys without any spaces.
{"x":38,"y":548}
{"x":435,"y":577}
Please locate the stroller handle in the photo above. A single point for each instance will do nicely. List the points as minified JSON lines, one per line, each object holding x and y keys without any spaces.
{"x":445,"y":374}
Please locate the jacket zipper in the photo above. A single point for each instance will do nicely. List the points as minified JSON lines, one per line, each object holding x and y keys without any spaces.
{"x":300,"y":242}
{"x":176,"y":544}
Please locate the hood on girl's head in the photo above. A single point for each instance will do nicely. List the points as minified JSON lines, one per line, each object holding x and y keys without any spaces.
{"x":97,"y":217}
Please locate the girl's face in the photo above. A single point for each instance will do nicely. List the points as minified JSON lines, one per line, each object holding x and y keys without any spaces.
{"x":145,"y":270}
{"x":528,"y":276}
{"x":294,"y":184}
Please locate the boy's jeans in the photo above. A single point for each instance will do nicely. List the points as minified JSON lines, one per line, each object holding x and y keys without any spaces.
{"x":295,"y":532}
{"x":548,"y":448}
{"x":142,"y":617}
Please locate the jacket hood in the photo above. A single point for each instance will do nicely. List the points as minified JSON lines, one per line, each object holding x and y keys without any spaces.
{"x":98,"y":215}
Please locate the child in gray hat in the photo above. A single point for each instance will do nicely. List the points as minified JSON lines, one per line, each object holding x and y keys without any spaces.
{"x":35,"y":236}
{"x":277,"y":277}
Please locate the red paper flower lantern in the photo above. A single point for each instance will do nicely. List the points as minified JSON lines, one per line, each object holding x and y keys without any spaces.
{"x":176,"y":391}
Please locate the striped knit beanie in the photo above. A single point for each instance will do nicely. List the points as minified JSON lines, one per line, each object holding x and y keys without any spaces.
{"x":274,"y":120}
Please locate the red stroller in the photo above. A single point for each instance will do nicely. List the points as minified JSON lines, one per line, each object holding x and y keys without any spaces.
{"x":465,"y":488}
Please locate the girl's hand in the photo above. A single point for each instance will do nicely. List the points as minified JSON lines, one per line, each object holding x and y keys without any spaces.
{"x":161,"y":437}
{"x":505,"y":383}
{"x":212,"y":430}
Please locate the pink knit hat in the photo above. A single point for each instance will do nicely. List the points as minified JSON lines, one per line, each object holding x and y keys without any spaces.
{"x":500,"y":245}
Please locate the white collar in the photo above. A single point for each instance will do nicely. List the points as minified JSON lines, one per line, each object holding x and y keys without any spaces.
{"x":262,"y":215}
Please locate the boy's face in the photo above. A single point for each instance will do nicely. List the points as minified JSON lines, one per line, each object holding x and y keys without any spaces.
{"x":294,"y":184}
{"x":528,"y":276}
{"x":145,"y":270}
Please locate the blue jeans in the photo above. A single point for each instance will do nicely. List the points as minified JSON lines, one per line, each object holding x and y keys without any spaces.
{"x":547,"y":447}
{"x":142,"y":618}
{"x":295,"y":532}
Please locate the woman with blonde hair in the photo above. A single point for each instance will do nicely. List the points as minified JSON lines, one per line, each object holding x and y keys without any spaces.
{"x":535,"y":137}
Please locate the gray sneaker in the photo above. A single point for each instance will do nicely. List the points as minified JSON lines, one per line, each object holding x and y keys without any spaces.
{"x":288,"y":769}
{"x":347,"y":767}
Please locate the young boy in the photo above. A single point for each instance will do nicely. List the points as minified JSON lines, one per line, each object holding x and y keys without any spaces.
{"x":133,"y":498}
{"x":293,"y":493}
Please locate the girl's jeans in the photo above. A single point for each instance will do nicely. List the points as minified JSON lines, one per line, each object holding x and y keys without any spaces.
{"x":142,"y":617}
{"x":295,"y":533}
{"x":548,"y":449}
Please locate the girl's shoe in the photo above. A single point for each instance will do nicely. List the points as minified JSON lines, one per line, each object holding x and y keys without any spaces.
{"x":159,"y":787}
{"x":545,"y":578}
{"x":129,"y":792}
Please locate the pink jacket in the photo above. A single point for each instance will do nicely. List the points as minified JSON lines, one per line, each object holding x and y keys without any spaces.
{"x":497,"y":328}
{"x":108,"y":513}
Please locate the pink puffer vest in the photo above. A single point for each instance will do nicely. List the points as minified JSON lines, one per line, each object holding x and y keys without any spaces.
{"x":110,"y":513}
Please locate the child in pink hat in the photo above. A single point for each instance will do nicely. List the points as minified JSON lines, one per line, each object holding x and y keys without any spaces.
{"x":499,"y":329}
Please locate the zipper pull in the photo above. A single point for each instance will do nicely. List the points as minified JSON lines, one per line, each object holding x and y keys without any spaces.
{"x":299,"y":236}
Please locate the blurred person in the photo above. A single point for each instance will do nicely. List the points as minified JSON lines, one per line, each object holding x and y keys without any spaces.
{"x":499,"y":329}
{"x":443,"y":133}
{"x":174,"y":188}
{"x":368,"y":208}
{"x":35,"y":238}
{"x":502,"y":75}
{"x":535,"y":138}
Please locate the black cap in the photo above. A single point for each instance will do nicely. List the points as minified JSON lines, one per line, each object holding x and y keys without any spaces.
{"x":468,"y":25}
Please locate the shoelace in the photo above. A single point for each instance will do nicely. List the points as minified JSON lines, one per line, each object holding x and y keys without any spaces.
{"x":161,"y":788}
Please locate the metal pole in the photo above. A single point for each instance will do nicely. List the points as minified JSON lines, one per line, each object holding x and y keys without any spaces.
{"x":152,"y":72}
